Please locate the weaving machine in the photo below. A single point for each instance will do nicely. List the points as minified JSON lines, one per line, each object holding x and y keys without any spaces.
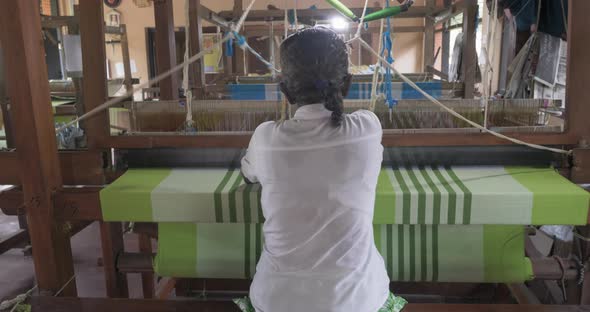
{"x":453,"y":204}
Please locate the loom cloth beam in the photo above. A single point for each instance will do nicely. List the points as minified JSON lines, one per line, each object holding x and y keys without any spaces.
{"x":429,"y":195}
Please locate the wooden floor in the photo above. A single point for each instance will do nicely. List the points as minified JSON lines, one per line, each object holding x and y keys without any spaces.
{"x":51,"y":304}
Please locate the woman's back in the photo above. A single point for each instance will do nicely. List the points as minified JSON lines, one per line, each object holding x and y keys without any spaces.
{"x":318,"y":173}
{"x":318,"y":185}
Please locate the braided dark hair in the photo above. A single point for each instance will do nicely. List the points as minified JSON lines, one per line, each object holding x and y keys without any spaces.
{"x":314,"y":64}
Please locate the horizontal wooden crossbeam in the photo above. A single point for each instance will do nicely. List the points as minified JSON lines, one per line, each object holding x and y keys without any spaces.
{"x":78,"y":168}
{"x":57,"y":304}
{"x":316,"y":14}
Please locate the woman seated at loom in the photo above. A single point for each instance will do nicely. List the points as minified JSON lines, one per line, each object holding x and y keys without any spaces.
{"x":318,"y":173}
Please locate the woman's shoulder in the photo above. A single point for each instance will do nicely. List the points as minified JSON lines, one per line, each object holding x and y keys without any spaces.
{"x":366,"y":119}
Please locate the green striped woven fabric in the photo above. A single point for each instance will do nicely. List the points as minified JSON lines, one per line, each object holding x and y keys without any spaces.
{"x":411,"y":252}
{"x":431,"y":195}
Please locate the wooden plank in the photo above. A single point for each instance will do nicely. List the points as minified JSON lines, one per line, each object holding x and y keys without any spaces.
{"x":50,"y":304}
{"x":147,"y":278}
{"x":317,"y":14}
{"x":58,"y":21}
{"x":35,"y":142}
{"x":166,"y":48}
{"x":72,"y":204}
{"x":78,"y":168}
{"x":238,"y":58}
{"x":581,"y":166}
{"x":15,"y":240}
{"x":197,"y":69}
{"x":213,"y":18}
{"x":429,"y":36}
{"x":111,"y":235}
{"x":94,"y":84}
{"x":578,"y":67}
{"x":421,"y":139}
{"x":523,"y":294}
{"x":469,"y":58}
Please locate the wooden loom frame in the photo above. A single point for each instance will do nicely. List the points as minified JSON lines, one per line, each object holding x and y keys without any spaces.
{"x":42,"y":171}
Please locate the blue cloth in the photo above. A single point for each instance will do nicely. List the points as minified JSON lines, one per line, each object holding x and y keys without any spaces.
{"x":525,"y":13}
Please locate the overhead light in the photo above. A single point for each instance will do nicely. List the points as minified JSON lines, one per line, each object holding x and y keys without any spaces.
{"x":339,"y":23}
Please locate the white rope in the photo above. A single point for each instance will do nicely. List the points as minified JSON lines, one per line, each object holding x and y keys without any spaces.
{"x":452,"y":112}
{"x":158,"y":78}
{"x":360,"y":25}
{"x":16,"y":301}
{"x":12,"y":304}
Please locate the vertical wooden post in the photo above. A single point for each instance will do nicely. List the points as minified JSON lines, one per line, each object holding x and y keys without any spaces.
{"x":147,"y":279}
{"x":238,"y":59}
{"x":111,"y":235}
{"x":4,"y":103}
{"x":166,"y":48}
{"x":197,"y":69}
{"x":446,"y":43}
{"x":126,"y":59}
{"x":429,"y":35}
{"x":577,"y":94}
{"x":94,"y":82}
{"x":366,"y":56}
{"x":20,"y":26}
{"x":228,"y":66}
{"x":469,"y":58}
{"x":578,"y":67}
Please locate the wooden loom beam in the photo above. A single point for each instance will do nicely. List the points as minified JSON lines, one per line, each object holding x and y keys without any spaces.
{"x":49,"y":304}
{"x":429,"y":36}
{"x":77,"y":168}
{"x":317,"y":14}
{"x":94,"y":83}
{"x":469,"y":55}
{"x":40,"y":176}
{"x":195,"y":32}
{"x":389,"y":139}
{"x":166,"y":48}
{"x":578,"y":67}
{"x":238,"y":58}
{"x":4,"y":103}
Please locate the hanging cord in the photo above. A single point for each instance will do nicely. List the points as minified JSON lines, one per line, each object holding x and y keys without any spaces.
{"x":489,"y":68}
{"x":388,"y":47}
{"x":16,"y":301}
{"x":376,"y":74}
{"x":160,"y":77}
{"x":295,"y":16}
{"x":361,"y":21}
{"x":454,"y":113}
{"x":189,"y":124}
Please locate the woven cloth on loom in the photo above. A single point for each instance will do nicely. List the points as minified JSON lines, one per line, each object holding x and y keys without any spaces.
{"x":458,"y":195}
{"x":490,"y":253}
{"x":358,"y":91}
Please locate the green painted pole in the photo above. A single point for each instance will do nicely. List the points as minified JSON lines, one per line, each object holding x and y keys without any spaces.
{"x":387,"y":12}
{"x":343,"y":9}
